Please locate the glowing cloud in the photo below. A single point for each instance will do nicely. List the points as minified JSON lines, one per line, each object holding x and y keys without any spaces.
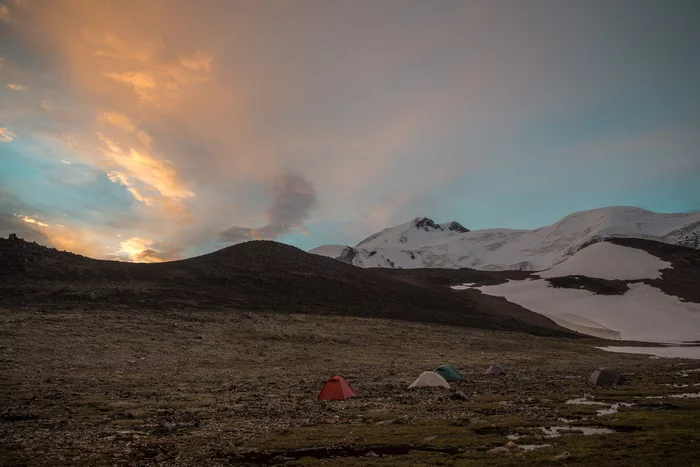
{"x":7,"y":135}
{"x":142,"y":250}
{"x":143,"y":69}
{"x":155,"y":175}
{"x":123,"y":122}
{"x":5,"y":13}
{"x":118,"y":120}
{"x":17,"y":87}
{"x":30,"y":220}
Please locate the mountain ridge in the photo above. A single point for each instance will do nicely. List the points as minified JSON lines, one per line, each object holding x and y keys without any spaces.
{"x":422,"y":243}
{"x":251,"y":276}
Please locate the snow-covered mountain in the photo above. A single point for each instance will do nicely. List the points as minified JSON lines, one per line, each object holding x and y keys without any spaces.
{"x":421,"y":243}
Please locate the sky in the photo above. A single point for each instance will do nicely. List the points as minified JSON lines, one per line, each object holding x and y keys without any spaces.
{"x":162,"y":129}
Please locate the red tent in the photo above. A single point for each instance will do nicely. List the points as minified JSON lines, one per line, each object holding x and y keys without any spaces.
{"x":495,"y":370}
{"x":336,"y":388}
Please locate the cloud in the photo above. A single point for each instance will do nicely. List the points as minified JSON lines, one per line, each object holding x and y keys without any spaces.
{"x":142,"y":67}
{"x":119,"y":120}
{"x":293,"y":198}
{"x":142,"y":250}
{"x":158,"y":252}
{"x":31,"y":220}
{"x":17,"y":87}
{"x":148,"y":178}
{"x":189,"y":108}
{"x":7,"y":135}
{"x":10,"y":223}
{"x":5,"y":14}
{"x":237,"y":235}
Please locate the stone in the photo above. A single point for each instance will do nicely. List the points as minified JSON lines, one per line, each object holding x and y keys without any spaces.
{"x":500,"y":451}
{"x":511,"y":445}
{"x":563,"y":456}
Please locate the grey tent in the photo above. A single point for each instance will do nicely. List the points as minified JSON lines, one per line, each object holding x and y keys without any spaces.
{"x":607,"y":375}
{"x":429,"y":379}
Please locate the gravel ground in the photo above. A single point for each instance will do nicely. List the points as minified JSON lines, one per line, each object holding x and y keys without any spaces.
{"x":218,"y":388}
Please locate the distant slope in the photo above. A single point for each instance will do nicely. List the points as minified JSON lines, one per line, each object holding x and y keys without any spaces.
{"x":423,"y":244}
{"x":256,"y":275}
{"x":631,"y":289}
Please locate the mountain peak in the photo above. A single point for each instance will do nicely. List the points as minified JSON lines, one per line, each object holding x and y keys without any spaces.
{"x":425,"y":224}
{"x":455,"y":226}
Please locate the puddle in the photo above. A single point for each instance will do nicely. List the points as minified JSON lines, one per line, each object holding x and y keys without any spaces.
{"x":326,"y":452}
{"x":687,"y":395}
{"x":514,"y":437}
{"x":584,"y":401}
{"x":613,"y":408}
{"x":463,"y":286}
{"x":557,"y":431}
{"x":567,"y":420}
{"x":687,"y":351}
{"x":532,"y":447}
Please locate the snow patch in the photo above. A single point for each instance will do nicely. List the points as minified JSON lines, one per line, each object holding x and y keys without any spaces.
{"x":463,"y":286}
{"x":609,"y":261}
{"x":643,"y":313}
{"x":666,"y":352}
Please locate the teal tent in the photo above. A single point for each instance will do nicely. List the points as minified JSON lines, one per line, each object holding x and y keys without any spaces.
{"x":448,"y":372}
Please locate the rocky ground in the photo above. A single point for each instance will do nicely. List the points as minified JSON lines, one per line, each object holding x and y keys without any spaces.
{"x":220,"y":388}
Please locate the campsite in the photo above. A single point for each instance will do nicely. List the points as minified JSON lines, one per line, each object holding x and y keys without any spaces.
{"x":216,"y":388}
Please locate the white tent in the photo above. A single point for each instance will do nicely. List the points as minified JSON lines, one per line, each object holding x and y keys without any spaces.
{"x":429,"y":379}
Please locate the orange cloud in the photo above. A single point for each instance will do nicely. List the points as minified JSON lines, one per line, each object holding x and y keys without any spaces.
{"x":5,"y":14}
{"x":140,"y":65}
{"x":17,"y":87}
{"x":120,"y":120}
{"x":142,"y":250}
{"x":7,"y":135}
{"x":80,"y":241}
{"x":30,"y":220}
{"x":154,"y":174}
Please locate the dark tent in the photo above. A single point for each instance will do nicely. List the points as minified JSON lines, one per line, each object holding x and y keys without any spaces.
{"x":495,"y":370}
{"x":448,"y":372}
{"x":608,"y":375}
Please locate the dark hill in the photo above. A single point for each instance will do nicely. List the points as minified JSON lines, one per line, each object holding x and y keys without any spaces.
{"x":259,"y":275}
